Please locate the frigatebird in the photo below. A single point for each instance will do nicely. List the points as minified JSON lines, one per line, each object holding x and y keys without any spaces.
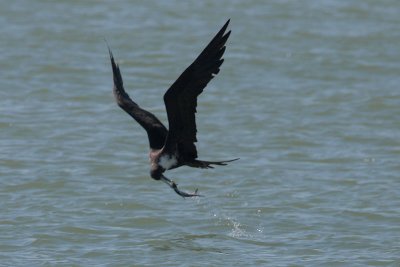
{"x":175,"y":147}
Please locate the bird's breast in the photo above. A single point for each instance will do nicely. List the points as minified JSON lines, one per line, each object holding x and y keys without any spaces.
{"x":167,"y":161}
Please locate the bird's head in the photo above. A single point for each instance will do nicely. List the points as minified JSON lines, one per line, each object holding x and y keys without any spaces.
{"x":156,"y":173}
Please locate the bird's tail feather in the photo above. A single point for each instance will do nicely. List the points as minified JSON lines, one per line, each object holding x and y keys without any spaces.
{"x":208,"y":164}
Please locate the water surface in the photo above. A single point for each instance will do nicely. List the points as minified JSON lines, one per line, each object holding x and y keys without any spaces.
{"x":308,"y":98}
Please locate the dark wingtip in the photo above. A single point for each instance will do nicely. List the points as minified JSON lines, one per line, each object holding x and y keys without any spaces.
{"x":223,"y":29}
{"x":109,"y":51}
{"x":114,"y":66}
{"x":115,"y":69}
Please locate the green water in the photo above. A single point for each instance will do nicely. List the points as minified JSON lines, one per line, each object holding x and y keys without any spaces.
{"x":308,"y":97}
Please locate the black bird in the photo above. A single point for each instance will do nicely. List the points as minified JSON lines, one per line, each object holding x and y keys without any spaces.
{"x":175,"y":147}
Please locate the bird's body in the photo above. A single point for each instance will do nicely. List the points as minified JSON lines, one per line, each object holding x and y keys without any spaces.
{"x":175,"y":147}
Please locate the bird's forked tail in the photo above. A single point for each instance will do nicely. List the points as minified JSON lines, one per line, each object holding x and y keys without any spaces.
{"x":208,"y":164}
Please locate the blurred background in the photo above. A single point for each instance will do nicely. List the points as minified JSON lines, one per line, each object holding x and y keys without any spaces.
{"x":308,"y":98}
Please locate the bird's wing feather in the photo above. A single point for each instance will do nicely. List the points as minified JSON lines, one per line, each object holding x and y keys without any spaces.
{"x":181,"y":98}
{"x":156,"y":131}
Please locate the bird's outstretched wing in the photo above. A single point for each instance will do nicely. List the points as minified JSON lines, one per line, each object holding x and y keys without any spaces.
{"x":181,"y":98}
{"x":156,"y":131}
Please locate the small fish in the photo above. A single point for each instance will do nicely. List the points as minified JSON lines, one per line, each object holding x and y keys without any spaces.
{"x":184,"y":194}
